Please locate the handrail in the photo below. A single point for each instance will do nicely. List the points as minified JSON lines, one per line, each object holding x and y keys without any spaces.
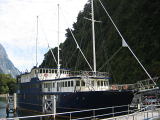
{"x":72,"y":112}
{"x":94,"y":110}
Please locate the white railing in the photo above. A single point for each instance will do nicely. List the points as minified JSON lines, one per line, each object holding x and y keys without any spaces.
{"x":147,"y":112}
{"x":87,"y":114}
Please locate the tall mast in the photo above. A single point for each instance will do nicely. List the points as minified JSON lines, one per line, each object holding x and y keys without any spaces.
{"x":58,"y":65}
{"x":93,"y":37}
{"x":36,"y":42}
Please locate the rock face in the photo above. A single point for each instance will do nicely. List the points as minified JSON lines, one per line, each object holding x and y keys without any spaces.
{"x":6,"y":66}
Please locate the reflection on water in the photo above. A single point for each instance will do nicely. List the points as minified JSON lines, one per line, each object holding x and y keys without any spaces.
{"x":3,"y":103}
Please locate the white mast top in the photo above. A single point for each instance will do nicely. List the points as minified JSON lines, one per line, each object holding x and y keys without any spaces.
{"x":93,"y":37}
{"x":58,"y":65}
{"x":36,"y":42}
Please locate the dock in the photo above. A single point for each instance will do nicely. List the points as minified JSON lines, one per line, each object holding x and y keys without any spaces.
{"x":144,"y":115}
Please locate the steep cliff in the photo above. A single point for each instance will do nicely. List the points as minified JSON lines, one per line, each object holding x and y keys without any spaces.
{"x":6,"y":66}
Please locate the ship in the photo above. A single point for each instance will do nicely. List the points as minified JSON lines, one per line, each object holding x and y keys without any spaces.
{"x":74,"y":90}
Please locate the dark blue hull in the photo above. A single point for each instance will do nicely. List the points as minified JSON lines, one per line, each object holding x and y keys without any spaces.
{"x":73,"y":101}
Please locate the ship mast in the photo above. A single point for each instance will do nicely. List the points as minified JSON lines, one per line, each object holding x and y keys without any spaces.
{"x":93,"y":37}
{"x":36,"y":42}
{"x":58,"y":65}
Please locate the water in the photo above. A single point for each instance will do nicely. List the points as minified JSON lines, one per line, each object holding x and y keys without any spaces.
{"x":3,"y":103}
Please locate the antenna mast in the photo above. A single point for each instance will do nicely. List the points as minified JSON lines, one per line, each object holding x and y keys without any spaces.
{"x":93,"y":37}
{"x":36,"y":42}
{"x":58,"y":65}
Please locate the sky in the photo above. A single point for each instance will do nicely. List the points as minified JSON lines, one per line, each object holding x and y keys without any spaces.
{"x":18,"y":26}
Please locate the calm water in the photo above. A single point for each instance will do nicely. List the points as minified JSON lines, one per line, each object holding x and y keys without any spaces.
{"x":3,"y":114}
{"x":3,"y":103}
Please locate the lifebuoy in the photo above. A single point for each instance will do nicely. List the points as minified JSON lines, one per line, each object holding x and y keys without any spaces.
{"x":114,"y":87}
{"x":125,"y":87}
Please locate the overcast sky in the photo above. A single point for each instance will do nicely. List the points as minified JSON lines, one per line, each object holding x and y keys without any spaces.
{"x":18,"y":27}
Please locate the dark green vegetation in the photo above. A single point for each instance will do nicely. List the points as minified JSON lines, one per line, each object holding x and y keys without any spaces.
{"x":139,"y":23}
{"x":7,"y":84}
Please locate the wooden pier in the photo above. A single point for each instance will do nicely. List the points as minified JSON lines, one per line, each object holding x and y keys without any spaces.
{"x":11,"y":106}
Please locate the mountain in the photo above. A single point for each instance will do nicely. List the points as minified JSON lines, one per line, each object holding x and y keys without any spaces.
{"x":137,"y":20}
{"x":6,"y":66}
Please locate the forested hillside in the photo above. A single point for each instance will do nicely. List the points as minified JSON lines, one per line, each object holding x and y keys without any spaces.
{"x":139,"y":23}
{"x":7,"y":84}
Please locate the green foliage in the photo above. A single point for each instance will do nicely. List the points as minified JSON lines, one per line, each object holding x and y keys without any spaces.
{"x":137,"y":20}
{"x":7,"y":84}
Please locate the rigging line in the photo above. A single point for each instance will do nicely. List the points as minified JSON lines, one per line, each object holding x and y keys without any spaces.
{"x":123,"y":40}
{"x":77,"y":44}
{"x":52,"y":54}
{"x":80,"y":49}
{"x":110,"y":58}
{"x":77,"y":62}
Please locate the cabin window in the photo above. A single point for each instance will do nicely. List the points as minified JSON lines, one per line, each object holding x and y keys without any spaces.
{"x":98,"y":83}
{"x":78,"y":83}
{"x":40,"y":70}
{"x":105,"y":83}
{"x":101,"y":83}
{"x":45,"y":86}
{"x":63,"y":84}
{"x":82,"y":83}
{"x":55,"y":71}
{"x":49,"y":71}
{"x":44,"y":71}
{"x":36,"y":71}
{"x":52,"y":71}
{"x":66,"y":84}
{"x":53,"y":85}
{"x":71,"y":83}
